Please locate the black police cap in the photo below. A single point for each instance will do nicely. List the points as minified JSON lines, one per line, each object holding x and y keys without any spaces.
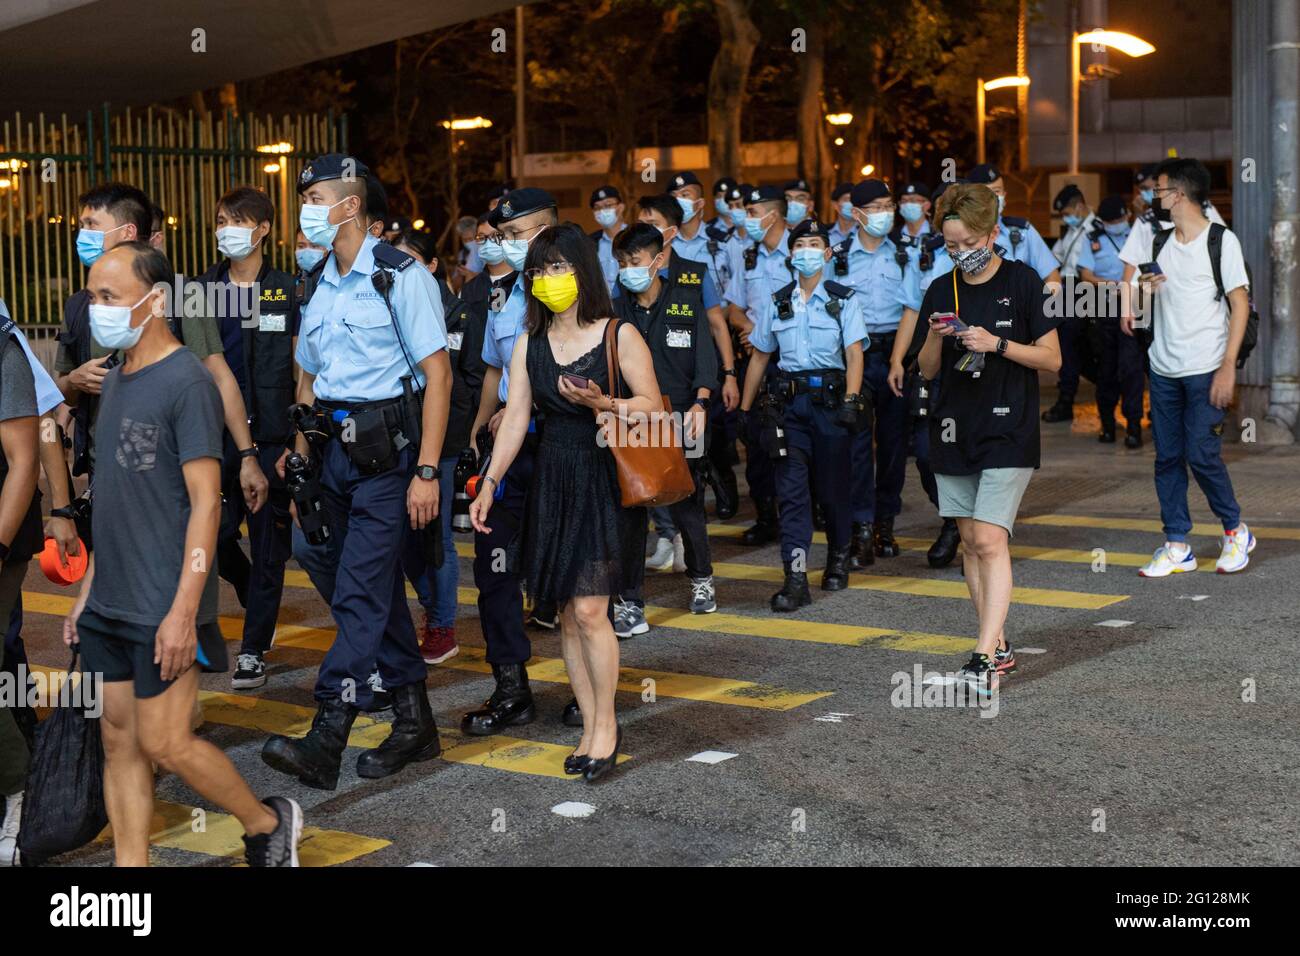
{"x":521,"y":202}
{"x":841,"y":189}
{"x":940,"y":189}
{"x":734,"y":191}
{"x":764,"y":194}
{"x":868,"y":191}
{"x":984,"y":174}
{"x":604,"y":192}
{"x":331,"y":166}
{"x":1111,"y":208}
{"x":915,"y":189}
{"x":724,"y":185}
{"x":1068,"y":194}
{"x":798,"y":186}
{"x":811,"y":228}
{"x":1144,"y":172}
{"x":685,"y":178}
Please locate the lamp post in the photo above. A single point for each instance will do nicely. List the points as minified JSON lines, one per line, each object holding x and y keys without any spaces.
{"x":1002,"y":82}
{"x":1106,"y":39}
{"x":453,"y":126}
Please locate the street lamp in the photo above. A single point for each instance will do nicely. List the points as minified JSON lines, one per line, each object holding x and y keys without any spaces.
{"x":452,"y":126}
{"x":1125,"y":43}
{"x":981,"y":87}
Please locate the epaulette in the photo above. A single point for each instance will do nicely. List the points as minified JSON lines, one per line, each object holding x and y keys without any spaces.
{"x":1016,"y":222}
{"x":838,"y":290}
{"x":717,"y":233}
{"x":389,"y":256}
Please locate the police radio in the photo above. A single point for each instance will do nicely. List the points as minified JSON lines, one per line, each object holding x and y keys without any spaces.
{"x":304,"y":490}
{"x":841,"y":257}
{"x":751,"y":257}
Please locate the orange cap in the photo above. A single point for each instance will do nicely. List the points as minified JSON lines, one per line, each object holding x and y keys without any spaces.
{"x":59,"y":572}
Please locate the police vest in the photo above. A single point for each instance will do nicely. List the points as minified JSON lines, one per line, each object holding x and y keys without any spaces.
{"x":672,"y":326}
{"x":465,"y":327}
{"x":29,"y":539}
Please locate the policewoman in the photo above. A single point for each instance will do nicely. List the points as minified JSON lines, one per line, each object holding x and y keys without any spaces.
{"x":888,"y":285}
{"x":816,"y":324}
{"x":518,"y":219}
{"x":371,"y":340}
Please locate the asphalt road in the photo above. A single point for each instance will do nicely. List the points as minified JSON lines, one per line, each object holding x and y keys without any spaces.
{"x":1122,"y":744}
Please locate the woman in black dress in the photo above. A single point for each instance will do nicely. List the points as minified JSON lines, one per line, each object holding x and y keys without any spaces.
{"x":571,"y":544}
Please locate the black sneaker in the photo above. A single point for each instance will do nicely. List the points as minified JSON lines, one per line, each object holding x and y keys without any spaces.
{"x":250,"y":672}
{"x":280,"y":846}
{"x":980,"y":673}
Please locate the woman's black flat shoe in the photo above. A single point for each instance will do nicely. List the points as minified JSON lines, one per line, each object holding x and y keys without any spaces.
{"x":575,"y":763}
{"x":599,"y":767}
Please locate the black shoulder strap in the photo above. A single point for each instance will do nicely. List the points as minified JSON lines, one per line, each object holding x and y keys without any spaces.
{"x":1158,"y":239}
{"x":838,"y":290}
{"x":1215,"y":243}
{"x":783,"y":293}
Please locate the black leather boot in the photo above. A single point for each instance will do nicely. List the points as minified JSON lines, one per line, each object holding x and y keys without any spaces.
{"x":315,"y":758}
{"x":414,"y":736}
{"x":571,"y":716}
{"x":726,"y":503}
{"x":882,"y":537}
{"x":794,"y":593}
{"x":860,"y":548}
{"x":836,"y":576}
{"x":764,"y":529}
{"x":818,"y":516}
{"x":1107,"y":435}
{"x":944,"y":549}
{"x":1062,"y":411}
{"x":510,"y":704}
{"x":1134,"y":437}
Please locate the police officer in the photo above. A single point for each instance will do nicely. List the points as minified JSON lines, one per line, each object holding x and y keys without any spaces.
{"x":1023,"y":242}
{"x":519,"y":218}
{"x":1120,"y":365}
{"x":798,"y":202}
{"x":842,"y":202}
{"x":258,"y":322}
{"x":888,"y":285}
{"x":371,"y":340}
{"x":1079,"y":223}
{"x":816,"y":324}
{"x":763,"y":268}
{"x":607,"y":209}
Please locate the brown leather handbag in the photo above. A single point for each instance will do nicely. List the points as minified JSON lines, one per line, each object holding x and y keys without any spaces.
{"x":650,"y":474}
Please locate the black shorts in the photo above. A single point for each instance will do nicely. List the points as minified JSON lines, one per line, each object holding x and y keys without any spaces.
{"x":121,"y":651}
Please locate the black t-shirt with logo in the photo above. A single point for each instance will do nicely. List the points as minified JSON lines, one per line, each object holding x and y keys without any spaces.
{"x":990,"y":421}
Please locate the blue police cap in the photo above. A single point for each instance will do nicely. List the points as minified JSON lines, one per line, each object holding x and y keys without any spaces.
{"x":1111,"y":208}
{"x":764,"y":194}
{"x":984,"y":174}
{"x":915,"y":189}
{"x":811,"y":229}
{"x":521,"y":202}
{"x":604,"y":192}
{"x":1068,"y":194}
{"x":331,"y":166}
{"x":868,"y":191}
{"x":685,"y":178}
{"x":724,"y":185}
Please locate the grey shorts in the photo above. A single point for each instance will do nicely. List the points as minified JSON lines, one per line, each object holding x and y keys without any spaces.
{"x":992,"y":495}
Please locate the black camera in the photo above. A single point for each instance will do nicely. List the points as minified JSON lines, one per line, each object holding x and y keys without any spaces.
{"x":304,"y":490}
{"x":466,"y":468}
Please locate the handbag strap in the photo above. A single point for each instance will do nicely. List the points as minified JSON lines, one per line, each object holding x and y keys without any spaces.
{"x":611,"y":358}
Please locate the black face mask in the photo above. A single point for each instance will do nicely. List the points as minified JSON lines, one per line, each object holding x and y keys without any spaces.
{"x":1162,"y":214}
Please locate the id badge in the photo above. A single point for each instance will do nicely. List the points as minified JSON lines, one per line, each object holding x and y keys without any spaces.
{"x":271,"y":322}
{"x":679,"y":338}
{"x":454,"y":341}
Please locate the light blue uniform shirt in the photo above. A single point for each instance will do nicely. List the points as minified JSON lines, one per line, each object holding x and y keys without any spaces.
{"x":1105,"y":262}
{"x":839,"y":233}
{"x":751,"y":289}
{"x":885,"y":288}
{"x":347,"y":338}
{"x":48,"y":395}
{"x":503,"y":328}
{"x":811,"y":338}
{"x":608,"y":264}
{"x":1031,"y":249}
{"x":698,"y":250}
{"x":473,"y":261}
{"x":942,"y":266}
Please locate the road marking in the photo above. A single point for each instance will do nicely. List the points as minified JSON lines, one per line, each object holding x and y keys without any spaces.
{"x":834,"y":717}
{"x":1192,"y":597}
{"x":573,"y":809}
{"x":1113,"y":623}
{"x":710,"y":756}
{"x":1031,"y":650}
{"x":715,"y":690}
{"x":1151,"y":526}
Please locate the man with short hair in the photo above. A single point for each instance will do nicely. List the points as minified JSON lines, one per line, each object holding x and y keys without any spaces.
{"x":147,"y":612}
{"x":799,"y":203}
{"x":607,"y":209}
{"x":1071,"y":205}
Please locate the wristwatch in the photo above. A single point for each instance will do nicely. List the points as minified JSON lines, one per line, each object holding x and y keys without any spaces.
{"x":428,"y":472}
{"x":1002,"y":346}
{"x":66,"y":513}
{"x":729,"y":371}
{"x":702,"y":402}
{"x":250,"y":452}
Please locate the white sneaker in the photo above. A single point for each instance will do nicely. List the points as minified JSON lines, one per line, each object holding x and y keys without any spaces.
{"x":9,"y":830}
{"x":662,"y":559}
{"x":1237,"y":546}
{"x":1165,"y":562}
{"x":679,"y":554}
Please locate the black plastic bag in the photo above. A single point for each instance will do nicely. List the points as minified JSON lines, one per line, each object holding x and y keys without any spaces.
{"x":63,"y":805}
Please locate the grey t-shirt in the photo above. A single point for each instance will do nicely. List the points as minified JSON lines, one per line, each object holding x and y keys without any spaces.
{"x":150,"y":423}
{"x":17,"y":383}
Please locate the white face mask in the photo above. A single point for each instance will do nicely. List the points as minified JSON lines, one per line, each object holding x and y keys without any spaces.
{"x":235,"y":241}
{"x":111,"y":324}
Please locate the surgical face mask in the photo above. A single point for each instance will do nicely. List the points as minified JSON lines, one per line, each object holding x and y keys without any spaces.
{"x":807,"y":261}
{"x":878,"y":224}
{"x":516,"y":250}
{"x":1071,"y":221}
{"x":490,"y":251}
{"x":235,"y":241}
{"x":557,"y":293}
{"x":314,"y":220}
{"x":911,"y":211}
{"x":90,"y":244}
{"x":309,"y":258}
{"x":846,"y":210}
{"x":636,"y":278}
{"x":795,"y":211}
{"x":973,"y":261}
{"x":754,"y":228}
{"x":737,"y":216}
{"x":606,"y":217}
{"x":1148,"y":196}
{"x":1117,"y":228}
{"x":720,"y":205}
{"x":111,"y":325}
{"x":688,"y":208}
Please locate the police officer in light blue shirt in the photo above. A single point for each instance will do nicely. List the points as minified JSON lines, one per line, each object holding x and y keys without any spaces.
{"x":608,"y":210}
{"x":817,"y":325}
{"x":842,"y":205}
{"x":371,"y":339}
{"x":888,"y":284}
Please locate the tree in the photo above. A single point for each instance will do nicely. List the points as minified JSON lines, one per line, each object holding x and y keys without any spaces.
{"x":727,"y":79}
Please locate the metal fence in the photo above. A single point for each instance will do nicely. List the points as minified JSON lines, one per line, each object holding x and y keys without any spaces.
{"x":183,"y":161}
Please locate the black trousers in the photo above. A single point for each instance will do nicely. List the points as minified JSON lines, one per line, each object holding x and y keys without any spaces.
{"x":689,"y":517}
{"x":1119,"y":374}
{"x":500,"y":596}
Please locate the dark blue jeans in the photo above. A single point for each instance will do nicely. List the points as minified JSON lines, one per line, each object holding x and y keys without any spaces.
{"x":879,"y":467}
{"x":1188,"y":431}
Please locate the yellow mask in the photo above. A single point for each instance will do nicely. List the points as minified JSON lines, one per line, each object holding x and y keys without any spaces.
{"x":557,"y":293}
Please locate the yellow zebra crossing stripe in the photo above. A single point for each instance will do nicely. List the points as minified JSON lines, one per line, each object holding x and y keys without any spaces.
{"x":1151,"y":526}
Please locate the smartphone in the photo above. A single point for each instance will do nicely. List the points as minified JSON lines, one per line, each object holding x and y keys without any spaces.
{"x":577,"y":381}
{"x":948,"y":318}
{"x":1151,"y":269}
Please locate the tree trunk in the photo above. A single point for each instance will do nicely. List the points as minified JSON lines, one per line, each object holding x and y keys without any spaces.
{"x":727,"y":80}
{"x":815,"y":164}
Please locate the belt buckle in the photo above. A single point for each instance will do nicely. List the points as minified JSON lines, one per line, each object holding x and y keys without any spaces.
{"x":814,"y":381}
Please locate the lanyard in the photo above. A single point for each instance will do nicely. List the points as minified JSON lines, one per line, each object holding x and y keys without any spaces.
{"x":956,"y":307}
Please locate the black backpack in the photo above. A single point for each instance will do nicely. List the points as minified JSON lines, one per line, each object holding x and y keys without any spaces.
{"x":1215,"y":243}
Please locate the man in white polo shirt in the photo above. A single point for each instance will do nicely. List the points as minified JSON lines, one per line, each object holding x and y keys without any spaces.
{"x":1197,"y":329}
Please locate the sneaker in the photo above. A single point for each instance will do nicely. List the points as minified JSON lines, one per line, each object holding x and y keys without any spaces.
{"x":980,"y":673}
{"x":679,"y":554}
{"x":250,"y":672}
{"x":1004,"y":660}
{"x":1237,"y":546}
{"x":9,"y":855}
{"x":1166,"y":562}
{"x":702,"y":596}
{"x":437,"y":644}
{"x":380,"y":699}
{"x":662,"y":559}
{"x":280,"y":846}
{"x":544,"y":616}
{"x":629,"y":619}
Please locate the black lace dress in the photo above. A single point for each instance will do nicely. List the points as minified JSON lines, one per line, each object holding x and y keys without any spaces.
{"x":571,"y":545}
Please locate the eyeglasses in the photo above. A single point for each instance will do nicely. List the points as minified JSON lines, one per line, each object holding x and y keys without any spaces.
{"x":490,"y":237}
{"x":560,"y":268}
{"x":879,"y":207}
{"x":1161,"y":190}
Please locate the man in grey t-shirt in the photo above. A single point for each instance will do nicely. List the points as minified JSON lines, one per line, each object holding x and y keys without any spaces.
{"x":147,"y":610}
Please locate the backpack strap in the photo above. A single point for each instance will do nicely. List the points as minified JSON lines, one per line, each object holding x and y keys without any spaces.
{"x":1215,"y":243}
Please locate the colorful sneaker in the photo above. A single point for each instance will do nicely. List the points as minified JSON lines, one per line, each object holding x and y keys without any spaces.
{"x":703,"y":600}
{"x":629,"y":619}
{"x":981,"y":674}
{"x":1166,"y":562}
{"x":662,"y":559}
{"x":250,"y":672}
{"x":1237,"y":546}
{"x":437,"y":644}
{"x":1004,"y":661}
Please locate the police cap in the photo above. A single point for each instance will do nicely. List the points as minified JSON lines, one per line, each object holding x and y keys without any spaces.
{"x":868,"y":191}
{"x":604,"y":192}
{"x":521,"y":202}
{"x":764,"y":194}
{"x":724,"y":185}
{"x":1111,"y":208}
{"x":915,"y":189}
{"x":983,"y":174}
{"x":331,"y":166}
{"x":797,"y":186}
{"x":685,"y":178}
{"x":1144,"y":172}
{"x":841,"y":190}
{"x":811,"y":229}
{"x":1068,"y":194}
